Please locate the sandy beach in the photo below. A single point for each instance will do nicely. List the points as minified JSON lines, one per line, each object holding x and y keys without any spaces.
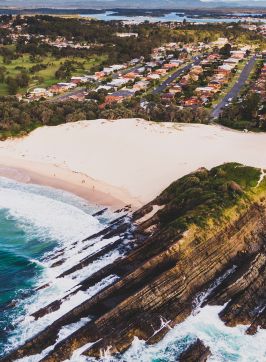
{"x":128,"y":161}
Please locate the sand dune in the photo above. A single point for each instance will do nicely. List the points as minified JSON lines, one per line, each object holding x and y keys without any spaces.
{"x":128,"y":160}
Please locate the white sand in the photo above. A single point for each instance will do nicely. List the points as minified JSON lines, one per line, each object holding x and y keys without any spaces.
{"x":131,"y":160}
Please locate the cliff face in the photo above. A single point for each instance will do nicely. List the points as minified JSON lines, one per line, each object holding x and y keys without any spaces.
{"x":202,"y":226}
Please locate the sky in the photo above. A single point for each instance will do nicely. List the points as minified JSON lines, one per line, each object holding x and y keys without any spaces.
{"x":125,"y":3}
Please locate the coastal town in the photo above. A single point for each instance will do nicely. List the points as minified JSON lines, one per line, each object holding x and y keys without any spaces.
{"x":195,"y":80}
{"x":199,"y":76}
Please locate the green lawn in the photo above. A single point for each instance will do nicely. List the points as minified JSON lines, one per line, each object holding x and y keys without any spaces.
{"x":48,"y":74}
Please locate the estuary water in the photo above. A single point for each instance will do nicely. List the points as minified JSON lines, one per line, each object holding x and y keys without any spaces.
{"x":173,"y":16}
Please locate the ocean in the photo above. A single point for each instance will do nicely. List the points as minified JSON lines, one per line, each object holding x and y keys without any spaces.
{"x":40,"y":226}
{"x":36,"y":224}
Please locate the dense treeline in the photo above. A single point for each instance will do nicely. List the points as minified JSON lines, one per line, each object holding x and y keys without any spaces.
{"x":244,"y":114}
{"x":18,"y":117}
{"x":123,"y":49}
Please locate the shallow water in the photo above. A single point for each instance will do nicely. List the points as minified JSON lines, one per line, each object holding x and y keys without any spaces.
{"x":35,"y":222}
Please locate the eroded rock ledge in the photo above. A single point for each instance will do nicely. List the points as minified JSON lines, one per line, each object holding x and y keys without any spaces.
{"x":196,"y":352}
{"x":204,"y":224}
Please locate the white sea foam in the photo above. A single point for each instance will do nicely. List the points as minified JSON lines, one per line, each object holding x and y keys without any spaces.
{"x":45,"y":218}
{"x":227,"y":344}
{"x":46,"y":214}
{"x":28,"y":326}
{"x":63,"y":333}
{"x":202,"y":296}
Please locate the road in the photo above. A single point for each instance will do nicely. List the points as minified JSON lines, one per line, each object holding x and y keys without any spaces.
{"x":235,"y":90}
{"x":178,"y":73}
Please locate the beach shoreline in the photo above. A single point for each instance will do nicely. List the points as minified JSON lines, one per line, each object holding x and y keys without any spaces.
{"x":126,"y":161}
{"x":79,"y":184}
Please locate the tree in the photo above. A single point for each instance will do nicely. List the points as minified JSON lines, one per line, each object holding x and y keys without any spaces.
{"x":225,"y":51}
{"x":12,"y":85}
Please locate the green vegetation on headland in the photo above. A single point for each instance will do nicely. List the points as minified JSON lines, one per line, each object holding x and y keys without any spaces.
{"x":204,"y":195}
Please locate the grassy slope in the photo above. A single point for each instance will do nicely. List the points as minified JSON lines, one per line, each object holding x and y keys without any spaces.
{"x":209,"y":196}
{"x":47,"y":74}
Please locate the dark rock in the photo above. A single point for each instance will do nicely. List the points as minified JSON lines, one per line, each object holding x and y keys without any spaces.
{"x":196,"y":352}
{"x":101,"y":212}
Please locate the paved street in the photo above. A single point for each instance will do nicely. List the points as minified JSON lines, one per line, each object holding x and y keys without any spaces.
{"x":178,"y":73}
{"x":235,"y":90}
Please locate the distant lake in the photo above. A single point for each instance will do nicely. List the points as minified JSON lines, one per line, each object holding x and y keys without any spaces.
{"x":110,"y":15}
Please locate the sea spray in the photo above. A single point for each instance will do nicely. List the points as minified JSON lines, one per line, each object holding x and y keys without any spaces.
{"x":48,"y":224}
{"x":227,"y":344}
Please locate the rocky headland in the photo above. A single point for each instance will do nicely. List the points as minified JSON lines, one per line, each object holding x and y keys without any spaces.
{"x":205,"y":232}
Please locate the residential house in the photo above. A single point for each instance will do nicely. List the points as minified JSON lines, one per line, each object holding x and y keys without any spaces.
{"x":141,"y":85}
{"x":206,"y":92}
{"x":216,"y":84}
{"x":151,"y":65}
{"x":153,"y":76}
{"x":127,"y":35}
{"x":117,"y":97}
{"x":130,"y":75}
{"x":61,"y":87}
{"x":225,"y":69}
{"x":232,"y":61}
{"x":117,"y":83}
{"x":99,"y":75}
{"x":67,"y":86}
{"x":104,"y":87}
{"x":167,"y":96}
{"x":214,"y":56}
{"x":192,"y":102}
{"x":79,"y":80}
{"x":80,"y":97}
{"x":220,"y":42}
{"x":134,"y":61}
{"x":185,"y":80}
{"x":196,"y":69}
{"x":170,"y":65}
{"x":161,"y":71}
{"x":38,"y":93}
{"x":238,"y":54}
{"x":174,"y":89}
